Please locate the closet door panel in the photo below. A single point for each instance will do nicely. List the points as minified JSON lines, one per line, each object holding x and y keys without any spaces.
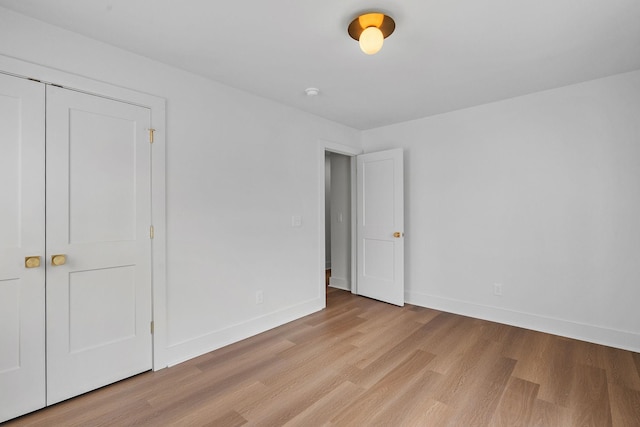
{"x":98,"y":220}
{"x":22,"y":233}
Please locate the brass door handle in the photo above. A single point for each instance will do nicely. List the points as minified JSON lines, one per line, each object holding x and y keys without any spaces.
{"x":398,"y":234}
{"x":32,"y":262}
{"x":58,"y":260}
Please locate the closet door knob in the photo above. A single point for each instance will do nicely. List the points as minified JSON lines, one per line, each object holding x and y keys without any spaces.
{"x":58,"y":260}
{"x":32,"y":262}
{"x":398,"y":234}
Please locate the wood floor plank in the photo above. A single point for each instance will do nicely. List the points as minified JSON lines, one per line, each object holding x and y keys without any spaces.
{"x":204,"y":410}
{"x":75,"y":415}
{"x":343,"y":323}
{"x":531,"y":354}
{"x":620,"y":365}
{"x":559,"y":373}
{"x":374,"y":314}
{"x":295,"y":365}
{"x":361,"y":362}
{"x":589,"y":354}
{"x":519,"y":343}
{"x":299,"y":396}
{"x":230,"y":363}
{"x":549,"y":363}
{"x":516,"y":404}
{"x":636,"y":360}
{"x":590,"y":398}
{"x":448,"y":337}
{"x":423,"y":314}
{"x":241,"y":355}
{"x":334,"y":316}
{"x":429,"y":413}
{"x":387,"y":361}
{"x":208,"y":385}
{"x":365,"y":408}
{"x":625,"y":405}
{"x":546,"y":414}
{"x":450,"y":350}
{"x":497,"y":332}
{"x":482,"y":396}
{"x":415,"y":406}
{"x":373,"y":347}
{"x":463,"y":378}
{"x":230,"y":419}
{"x":333,"y":402}
{"x":289,"y":379}
{"x":386,"y":319}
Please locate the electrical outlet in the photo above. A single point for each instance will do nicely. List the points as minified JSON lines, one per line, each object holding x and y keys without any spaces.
{"x":497,"y":289}
{"x":259,"y":297}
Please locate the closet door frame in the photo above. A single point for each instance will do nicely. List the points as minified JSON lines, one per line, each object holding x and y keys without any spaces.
{"x":157,"y":105}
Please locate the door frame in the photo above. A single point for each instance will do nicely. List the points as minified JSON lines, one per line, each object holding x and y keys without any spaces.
{"x":352,"y":152}
{"x":157,"y":105}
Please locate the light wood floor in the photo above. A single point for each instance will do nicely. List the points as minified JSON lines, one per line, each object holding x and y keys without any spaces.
{"x":365,"y":363}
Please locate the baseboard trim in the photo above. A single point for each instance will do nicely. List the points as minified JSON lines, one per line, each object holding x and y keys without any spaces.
{"x":183,"y":351}
{"x":339,"y":283}
{"x":596,"y":334}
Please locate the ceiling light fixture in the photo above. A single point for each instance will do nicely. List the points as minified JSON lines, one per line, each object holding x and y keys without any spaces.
{"x":370,"y":30}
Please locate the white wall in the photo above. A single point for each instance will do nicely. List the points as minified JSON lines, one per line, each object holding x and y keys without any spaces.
{"x":539,"y":193}
{"x":340,"y":221}
{"x":238,"y":168}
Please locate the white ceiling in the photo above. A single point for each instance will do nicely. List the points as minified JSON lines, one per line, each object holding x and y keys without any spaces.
{"x":443,"y":56}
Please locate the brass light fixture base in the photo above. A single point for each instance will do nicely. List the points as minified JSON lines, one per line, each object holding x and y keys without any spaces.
{"x":385,"y":23}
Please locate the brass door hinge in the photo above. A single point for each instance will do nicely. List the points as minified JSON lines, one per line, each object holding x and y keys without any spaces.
{"x":152,"y":327}
{"x":151,"y":131}
{"x":151,"y":232}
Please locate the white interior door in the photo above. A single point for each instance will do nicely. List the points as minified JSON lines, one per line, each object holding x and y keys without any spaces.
{"x":98,"y":222}
{"x":22,"y":289}
{"x":380,"y":226}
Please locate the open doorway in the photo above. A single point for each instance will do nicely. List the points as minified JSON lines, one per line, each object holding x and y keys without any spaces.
{"x":338,"y":221}
{"x":346,"y":179}
{"x":376,"y":262}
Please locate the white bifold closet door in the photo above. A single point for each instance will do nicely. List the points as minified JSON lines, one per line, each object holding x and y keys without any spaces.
{"x":98,"y":218}
{"x":94,"y":277}
{"x":22,"y":289}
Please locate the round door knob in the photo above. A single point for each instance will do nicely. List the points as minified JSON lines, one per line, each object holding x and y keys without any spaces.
{"x":397,"y":234}
{"x":58,"y":260}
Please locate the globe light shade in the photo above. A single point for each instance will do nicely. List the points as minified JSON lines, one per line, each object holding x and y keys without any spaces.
{"x":371,"y":40}
{"x":370,"y":30}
